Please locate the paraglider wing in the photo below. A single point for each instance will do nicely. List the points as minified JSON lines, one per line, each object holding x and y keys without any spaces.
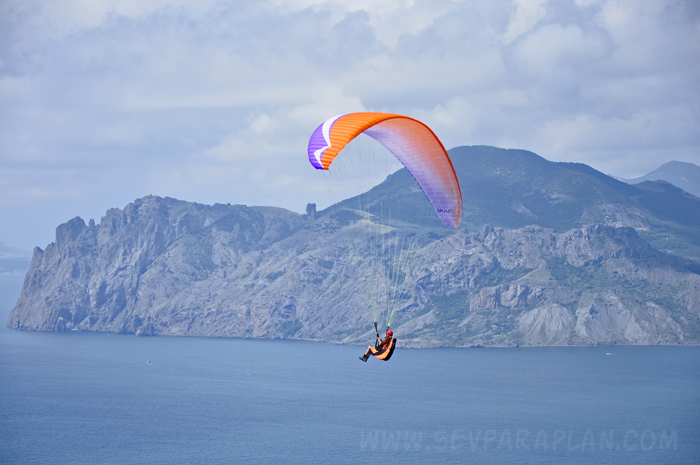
{"x":411,"y":141}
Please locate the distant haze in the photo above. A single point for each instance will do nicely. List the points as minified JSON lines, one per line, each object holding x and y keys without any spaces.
{"x":214,"y":101}
{"x":683,"y":175}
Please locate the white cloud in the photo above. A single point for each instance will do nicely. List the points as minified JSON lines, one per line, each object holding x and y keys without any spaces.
{"x":55,"y":19}
{"x":554,"y":48}
{"x":389,"y":19}
{"x":102,"y":102}
{"x":526,"y":16}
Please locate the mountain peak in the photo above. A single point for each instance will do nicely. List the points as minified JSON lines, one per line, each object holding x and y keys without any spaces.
{"x":679,"y":173}
{"x":7,"y":251}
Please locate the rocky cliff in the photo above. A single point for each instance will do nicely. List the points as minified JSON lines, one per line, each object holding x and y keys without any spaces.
{"x":168,"y":267}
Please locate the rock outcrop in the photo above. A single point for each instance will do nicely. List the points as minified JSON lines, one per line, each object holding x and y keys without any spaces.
{"x":167,"y":267}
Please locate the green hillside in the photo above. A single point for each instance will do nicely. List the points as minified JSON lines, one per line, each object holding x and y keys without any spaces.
{"x":516,"y":188}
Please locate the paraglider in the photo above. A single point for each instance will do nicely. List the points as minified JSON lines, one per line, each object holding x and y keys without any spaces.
{"x":420,"y":151}
{"x":413,"y":143}
{"x":383,"y":349}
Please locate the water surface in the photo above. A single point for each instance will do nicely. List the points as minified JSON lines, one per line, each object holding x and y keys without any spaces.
{"x":98,"y":398}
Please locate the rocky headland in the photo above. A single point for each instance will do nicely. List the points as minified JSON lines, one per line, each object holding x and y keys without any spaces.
{"x":162,"y":266}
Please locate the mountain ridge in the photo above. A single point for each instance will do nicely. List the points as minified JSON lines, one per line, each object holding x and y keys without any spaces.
{"x":592,"y":275}
{"x":13,"y":260}
{"x":683,"y":175}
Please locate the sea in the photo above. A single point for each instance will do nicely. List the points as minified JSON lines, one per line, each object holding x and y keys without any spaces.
{"x":98,"y":398}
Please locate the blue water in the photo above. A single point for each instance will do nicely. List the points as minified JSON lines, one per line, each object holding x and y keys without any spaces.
{"x":94,"y":398}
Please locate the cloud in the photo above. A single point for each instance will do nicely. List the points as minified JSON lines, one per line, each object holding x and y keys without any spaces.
{"x":56,"y":19}
{"x":389,"y":19}
{"x":103,"y":102}
{"x":526,"y":16}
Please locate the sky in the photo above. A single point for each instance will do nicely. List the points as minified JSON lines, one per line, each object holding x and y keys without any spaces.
{"x":106,"y":101}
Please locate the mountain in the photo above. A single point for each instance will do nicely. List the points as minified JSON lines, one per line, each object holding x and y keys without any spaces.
{"x":13,"y":260}
{"x":680,"y":174}
{"x":516,"y":188}
{"x":548,"y":254}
